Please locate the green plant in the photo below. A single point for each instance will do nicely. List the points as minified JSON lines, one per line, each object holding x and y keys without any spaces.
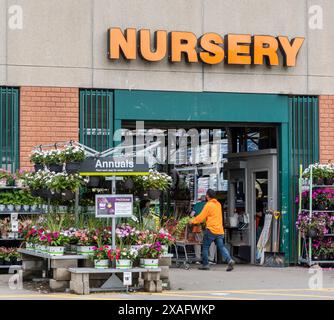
{"x":53,"y":157}
{"x":73,"y":154}
{"x":100,"y":253}
{"x":4,"y":174}
{"x":63,"y":181}
{"x":37,"y":157}
{"x":122,"y":253}
{"x":183,"y":222}
{"x":152,"y":251}
{"x":154,"y":180}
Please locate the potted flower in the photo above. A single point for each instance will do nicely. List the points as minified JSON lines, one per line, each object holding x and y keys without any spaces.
{"x":13,"y":257}
{"x":3,"y":177}
{"x":86,"y":242}
{"x":37,"y":158}
{"x":2,"y":255}
{"x":54,"y":160}
{"x":165,"y":239}
{"x":101,"y":257}
{"x":11,"y":179}
{"x":154,"y":183}
{"x":30,"y":235}
{"x":123,"y":256}
{"x":149,"y":255}
{"x":73,"y":156}
{"x":56,"y":243}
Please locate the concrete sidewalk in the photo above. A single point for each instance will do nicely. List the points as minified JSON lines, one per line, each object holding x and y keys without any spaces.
{"x":245,"y":282}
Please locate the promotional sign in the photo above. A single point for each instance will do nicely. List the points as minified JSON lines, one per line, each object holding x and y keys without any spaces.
{"x":112,"y":166}
{"x":113,"y":205}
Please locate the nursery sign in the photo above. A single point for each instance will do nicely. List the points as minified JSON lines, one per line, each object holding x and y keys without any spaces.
{"x":210,"y":48}
{"x":111,"y":166}
{"x":113,"y":205}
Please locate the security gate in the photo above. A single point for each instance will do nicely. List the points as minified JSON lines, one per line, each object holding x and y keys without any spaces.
{"x":9,"y":129}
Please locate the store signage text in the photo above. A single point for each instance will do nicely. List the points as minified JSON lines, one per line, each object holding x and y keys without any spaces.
{"x":210,"y":48}
{"x":110,"y":166}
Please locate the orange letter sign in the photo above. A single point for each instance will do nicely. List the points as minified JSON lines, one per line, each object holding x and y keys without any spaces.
{"x":160,"y":45}
{"x":183,"y":42}
{"x":213,"y":53}
{"x":126,"y":45}
{"x":290,"y":50}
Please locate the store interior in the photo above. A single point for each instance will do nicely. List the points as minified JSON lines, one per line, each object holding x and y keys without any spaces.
{"x":239,"y":163}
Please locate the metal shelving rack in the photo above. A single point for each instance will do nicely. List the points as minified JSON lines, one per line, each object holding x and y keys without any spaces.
{"x":4,"y":241}
{"x":305,"y":252}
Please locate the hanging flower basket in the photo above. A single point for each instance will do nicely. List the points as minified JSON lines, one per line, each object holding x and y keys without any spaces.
{"x":154,"y":194}
{"x":67,"y":195}
{"x":72,"y":167}
{"x":38,"y":167}
{"x":56,"y":168}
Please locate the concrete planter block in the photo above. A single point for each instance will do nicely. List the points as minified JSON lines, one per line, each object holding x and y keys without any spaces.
{"x":150,"y":286}
{"x":64,"y":263}
{"x":158,"y":285}
{"x":61,"y":274}
{"x":79,"y":283}
{"x":165,"y":261}
{"x":164,"y":274}
{"x":59,"y":286}
{"x":150,"y":276}
{"x":32,"y":264}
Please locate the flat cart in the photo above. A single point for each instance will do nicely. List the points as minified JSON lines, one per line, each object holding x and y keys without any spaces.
{"x":183,"y":255}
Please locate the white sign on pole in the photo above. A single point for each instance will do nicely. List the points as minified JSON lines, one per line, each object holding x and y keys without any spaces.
{"x":127,"y":278}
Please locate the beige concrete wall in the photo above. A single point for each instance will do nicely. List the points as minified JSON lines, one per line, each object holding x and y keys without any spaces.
{"x":64,"y":43}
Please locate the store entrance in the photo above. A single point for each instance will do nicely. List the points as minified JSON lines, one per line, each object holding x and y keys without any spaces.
{"x":242,"y":159}
{"x":252,"y":191}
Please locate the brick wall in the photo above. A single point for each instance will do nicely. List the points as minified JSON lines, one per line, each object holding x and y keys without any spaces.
{"x":47,"y":115}
{"x":326,"y":128}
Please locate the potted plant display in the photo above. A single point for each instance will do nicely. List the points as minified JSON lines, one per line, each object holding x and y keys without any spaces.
{"x":149,"y":255}
{"x":123,"y":256}
{"x":73,"y":156}
{"x":54,"y":160}
{"x":3,"y":177}
{"x":165,"y":239}
{"x":56,"y":243}
{"x":37,"y":158}
{"x":86,"y":242}
{"x":154,"y":183}
{"x":2,"y":255}
{"x":100,"y":257}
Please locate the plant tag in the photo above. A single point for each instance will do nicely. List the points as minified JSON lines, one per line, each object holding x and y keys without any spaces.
{"x":14,"y":222}
{"x":127,"y":278}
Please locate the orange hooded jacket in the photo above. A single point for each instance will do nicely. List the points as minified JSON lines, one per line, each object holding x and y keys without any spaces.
{"x":213,"y":216}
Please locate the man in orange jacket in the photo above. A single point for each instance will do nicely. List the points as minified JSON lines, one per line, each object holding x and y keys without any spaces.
{"x":212,"y":214}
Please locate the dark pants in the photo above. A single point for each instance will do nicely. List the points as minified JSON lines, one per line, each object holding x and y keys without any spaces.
{"x":208,"y":238}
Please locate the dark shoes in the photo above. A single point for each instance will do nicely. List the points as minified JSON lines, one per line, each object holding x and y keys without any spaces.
{"x":204,"y":268}
{"x":230,"y":265}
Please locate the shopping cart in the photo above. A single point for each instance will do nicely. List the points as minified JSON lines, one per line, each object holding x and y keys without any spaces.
{"x":185,"y":248}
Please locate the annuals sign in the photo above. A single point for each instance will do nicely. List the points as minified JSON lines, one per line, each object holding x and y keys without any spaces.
{"x":210,"y":48}
{"x":110,"y":166}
